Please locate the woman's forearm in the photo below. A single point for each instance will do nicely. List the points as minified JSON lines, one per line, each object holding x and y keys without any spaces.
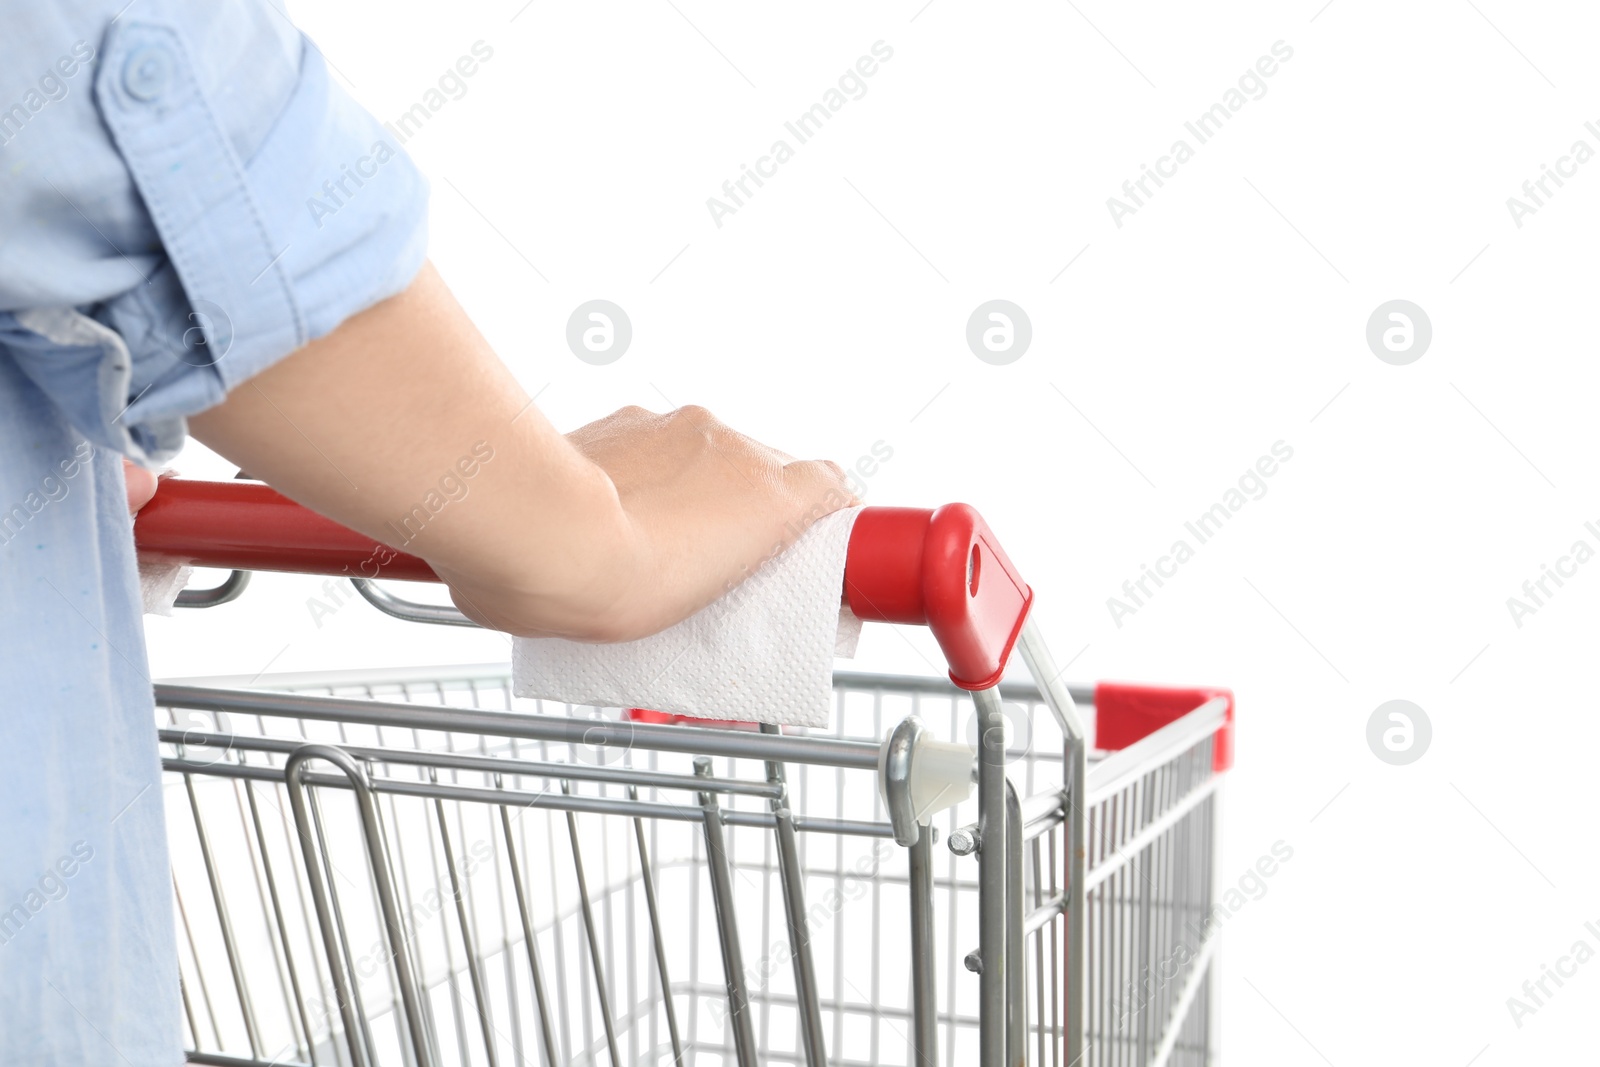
{"x":403,"y":424}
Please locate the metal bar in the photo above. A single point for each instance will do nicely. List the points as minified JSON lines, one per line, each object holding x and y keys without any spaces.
{"x":837,"y":794}
{"x":595,"y":954}
{"x":552,"y":771}
{"x":794,"y":908}
{"x":293,"y":772}
{"x":836,"y":827}
{"x":1182,"y":875}
{"x":924,"y":990}
{"x":1180,"y":1011}
{"x":766,"y":867}
{"x":1038,"y":960}
{"x":281,"y":924}
{"x":952,"y":912}
{"x":1044,"y":913}
{"x":552,"y":1057}
{"x":402,"y":872}
{"x":694,"y":921}
{"x":215,"y":1059}
{"x":188,"y":1008}
{"x":510,"y":972}
{"x":562,"y":987}
{"x":647,"y":876}
{"x":1043,"y":812}
{"x":744,"y":1037}
{"x":1111,"y":902}
{"x":1211,"y":1022}
{"x":693,"y":740}
{"x":338,"y":921}
{"x":451,"y":979}
{"x":330,"y":936}
{"x":992,"y":871}
{"x":578,"y":803}
{"x":1055,"y":969}
{"x":205,"y":989}
{"x":1023,"y":692}
{"x":1061,"y":699}
{"x":1036,"y":654}
{"x":468,"y":939}
{"x":435,"y":791}
{"x":1016,"y":1001}
{"x":261,"y":898}
{"x":1165,"y":855}
{"x":224,"y":921}
{"x":307,"y":910}
{"x":1145,"y":972}
{"x":409,"y":610}
{"x":231,"y":588}
{"x":630,"y":939}
{"x":608,"y":902}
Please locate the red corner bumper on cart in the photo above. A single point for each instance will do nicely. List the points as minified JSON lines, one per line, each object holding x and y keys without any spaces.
{"x":1125,"y":712}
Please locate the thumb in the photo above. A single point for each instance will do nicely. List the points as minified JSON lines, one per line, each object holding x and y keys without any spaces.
{"x":141,"y":485}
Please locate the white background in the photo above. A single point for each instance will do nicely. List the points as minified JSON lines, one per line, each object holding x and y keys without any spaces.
{"x":1227,"y":314}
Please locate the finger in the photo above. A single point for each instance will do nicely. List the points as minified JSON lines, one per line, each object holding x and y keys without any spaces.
{"x":141,"y":485}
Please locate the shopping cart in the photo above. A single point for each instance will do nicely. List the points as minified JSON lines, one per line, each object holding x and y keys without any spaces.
{"x":417,"y":868}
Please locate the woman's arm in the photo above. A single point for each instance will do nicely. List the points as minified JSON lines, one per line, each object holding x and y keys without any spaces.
{"x":629,"y":525}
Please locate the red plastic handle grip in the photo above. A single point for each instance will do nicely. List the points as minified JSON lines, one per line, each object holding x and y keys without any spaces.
{"x":943,"y":569}
{"x":248,"y":526}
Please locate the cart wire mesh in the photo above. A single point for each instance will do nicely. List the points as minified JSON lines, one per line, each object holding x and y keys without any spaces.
{"x":361,"y":878}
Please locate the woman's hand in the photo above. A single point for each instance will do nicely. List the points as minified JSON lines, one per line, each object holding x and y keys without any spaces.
{"x":701,"y":507}
{"x":708,"y":506}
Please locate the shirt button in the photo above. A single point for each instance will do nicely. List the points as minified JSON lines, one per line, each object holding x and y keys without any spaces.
{"x":146,"y":73}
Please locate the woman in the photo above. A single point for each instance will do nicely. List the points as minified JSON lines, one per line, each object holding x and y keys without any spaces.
{"x":160,"y":274}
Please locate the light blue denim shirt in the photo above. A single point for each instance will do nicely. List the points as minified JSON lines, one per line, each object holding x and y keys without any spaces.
{"x":166,"y":168}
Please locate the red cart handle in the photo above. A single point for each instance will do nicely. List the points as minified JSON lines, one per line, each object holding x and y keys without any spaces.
{"x":940,"y":568}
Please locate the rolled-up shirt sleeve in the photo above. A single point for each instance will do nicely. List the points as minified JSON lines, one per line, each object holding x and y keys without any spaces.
{"x":272,"y":222}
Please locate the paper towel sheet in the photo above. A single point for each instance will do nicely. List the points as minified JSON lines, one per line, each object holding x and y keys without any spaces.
{"x":762,"y":653}
{"x":161,"y":579}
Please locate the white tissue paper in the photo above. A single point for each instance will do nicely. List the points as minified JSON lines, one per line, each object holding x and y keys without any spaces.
{"x":161,"y":579}
{"x":762,"y":653}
